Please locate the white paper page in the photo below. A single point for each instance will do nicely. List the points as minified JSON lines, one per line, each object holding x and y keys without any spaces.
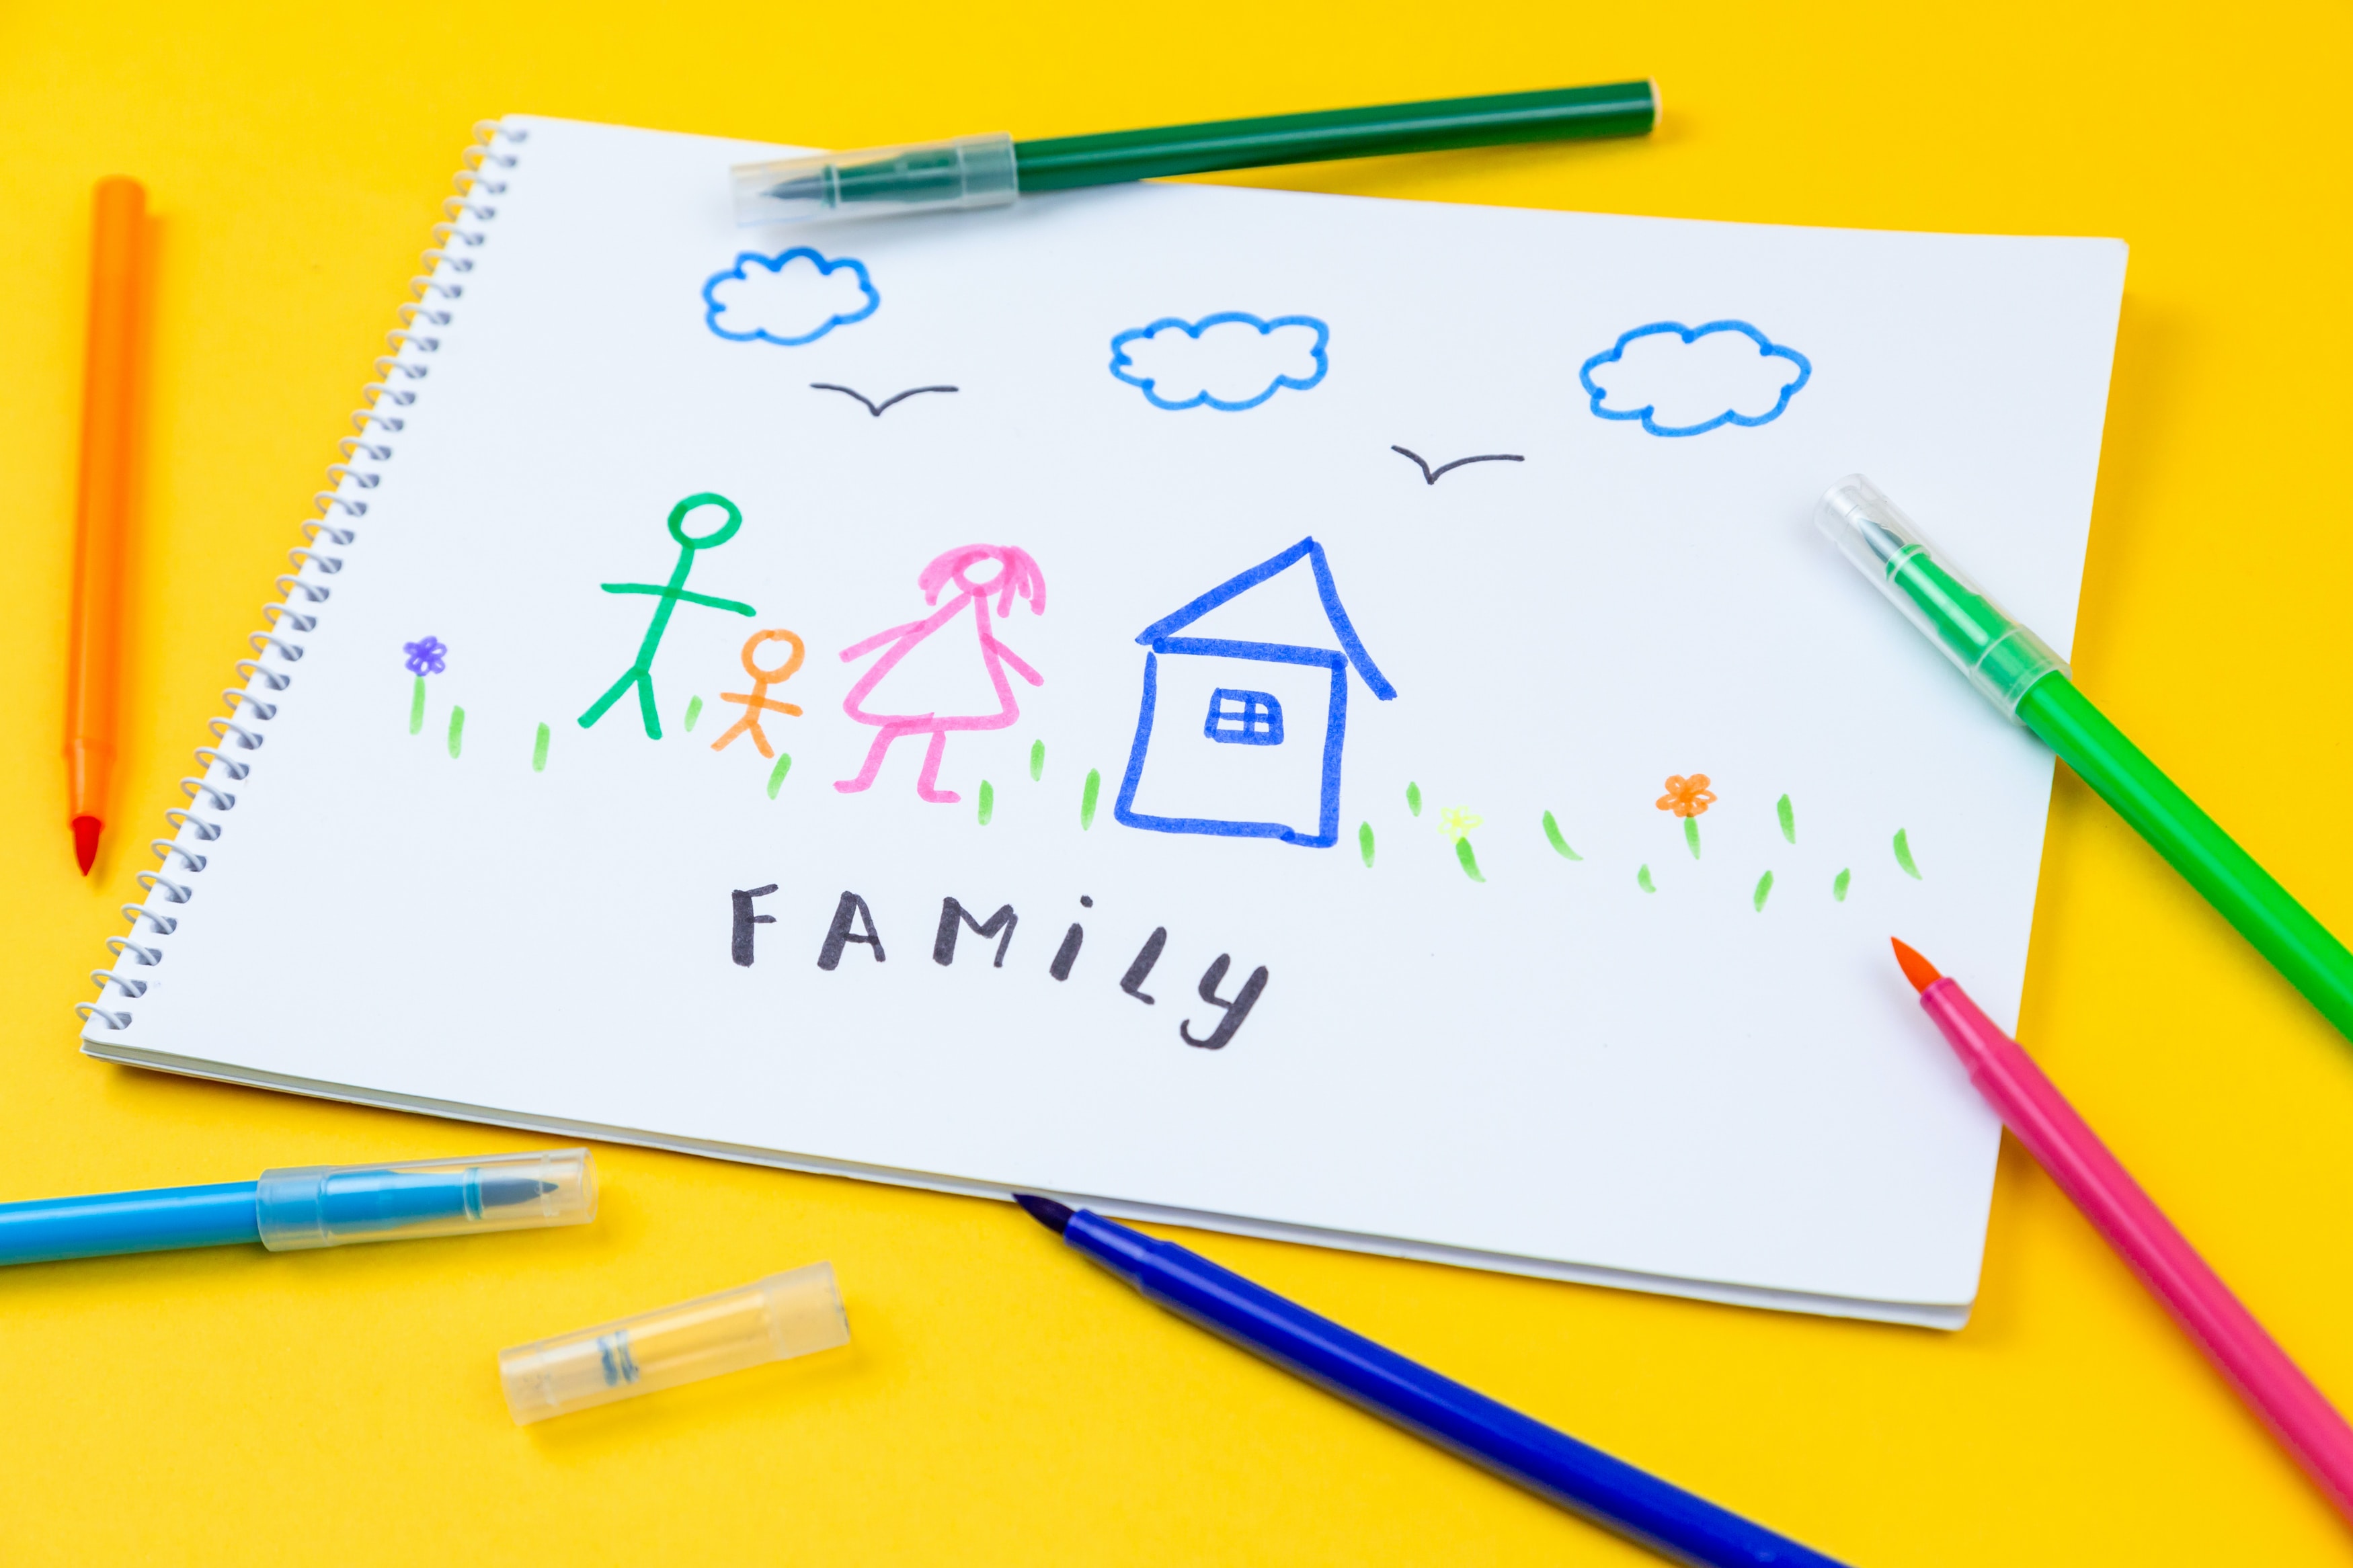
{"x":1613,"y":1055}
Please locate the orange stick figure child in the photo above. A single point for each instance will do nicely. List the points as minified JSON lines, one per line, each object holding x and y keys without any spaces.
{"x":757,"y":702}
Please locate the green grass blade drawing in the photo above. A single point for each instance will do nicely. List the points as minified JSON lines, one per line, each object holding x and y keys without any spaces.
{"x":1553,"y":837}
{"x":1469,"y":861}
{"x":1903,"y":853}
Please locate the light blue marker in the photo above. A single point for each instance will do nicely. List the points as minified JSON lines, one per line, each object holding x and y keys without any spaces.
{"x":313,"y":1205}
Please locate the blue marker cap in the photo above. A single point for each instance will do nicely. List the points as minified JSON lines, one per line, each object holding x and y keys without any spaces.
{"x":331,"y":1205}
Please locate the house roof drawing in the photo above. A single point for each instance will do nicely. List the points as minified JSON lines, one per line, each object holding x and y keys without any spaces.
{"x":1164,"y":630}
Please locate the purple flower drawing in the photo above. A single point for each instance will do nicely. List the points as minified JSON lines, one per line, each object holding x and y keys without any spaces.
{"x":425,"y":655}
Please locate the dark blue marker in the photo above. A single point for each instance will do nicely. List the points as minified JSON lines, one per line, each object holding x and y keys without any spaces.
{"x":1610,"y":1492}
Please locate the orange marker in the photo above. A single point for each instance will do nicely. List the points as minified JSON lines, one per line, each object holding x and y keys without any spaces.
{"x":103,"y":509}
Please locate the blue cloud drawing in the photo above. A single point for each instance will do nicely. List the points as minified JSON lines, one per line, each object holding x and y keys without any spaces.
{"x":1229,"y":360}
{"x":1686,"y":380}
{"x":789,"y":299}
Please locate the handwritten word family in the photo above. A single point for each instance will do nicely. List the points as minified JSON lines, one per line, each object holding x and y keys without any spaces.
{"x":853,"y":926}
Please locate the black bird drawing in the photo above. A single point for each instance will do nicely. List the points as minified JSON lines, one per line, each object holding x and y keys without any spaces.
{"x":1430,"y":476}
{"x":869,"y":404}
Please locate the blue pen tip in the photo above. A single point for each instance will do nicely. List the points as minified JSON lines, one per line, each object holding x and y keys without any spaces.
{"x":1054,"y":1216}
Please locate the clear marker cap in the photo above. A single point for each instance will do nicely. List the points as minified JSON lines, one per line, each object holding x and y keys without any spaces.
{"x":329,"y":1206}
{"x":2002,"y":657}
{"x":877,"y":182}
{"x":776,"y":1319}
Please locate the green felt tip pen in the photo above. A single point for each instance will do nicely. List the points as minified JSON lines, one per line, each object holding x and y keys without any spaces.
{"x":991,"y":170}
{"x":2019,"y":674}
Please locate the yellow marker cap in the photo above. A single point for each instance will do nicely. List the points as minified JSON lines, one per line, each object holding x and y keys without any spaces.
{"x":776,"y":1319}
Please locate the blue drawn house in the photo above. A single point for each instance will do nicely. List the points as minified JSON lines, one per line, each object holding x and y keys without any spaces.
{"x":1242,"y":739}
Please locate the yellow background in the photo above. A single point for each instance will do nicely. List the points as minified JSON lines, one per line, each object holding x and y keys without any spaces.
{"x":1004,"y":1403}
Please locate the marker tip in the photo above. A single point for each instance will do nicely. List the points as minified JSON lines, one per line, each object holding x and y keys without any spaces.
{"x":85,"y":830}
{"x":1054,"y":1216}
{"x":1917,"y":969}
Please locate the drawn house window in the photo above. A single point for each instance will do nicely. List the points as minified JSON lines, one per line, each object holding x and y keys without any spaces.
{"x":1252,"y":743}
{"x":1244,"y":718}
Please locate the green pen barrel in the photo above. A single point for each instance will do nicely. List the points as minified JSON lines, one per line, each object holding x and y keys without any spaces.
{"x":2209,"y":859}
{"x":1554,"y":114}
{"x":2023,"y":678}
{"x":991,"y":170}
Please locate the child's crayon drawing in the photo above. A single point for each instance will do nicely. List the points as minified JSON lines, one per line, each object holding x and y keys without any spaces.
{"x":1239,"y":769}
{"x":1430,"y":476}
{"x":1688,"y":798}
{"x":641,"y":674}
{"x":1553,"y":836}
{"x":1456,"y":823}
{"x":1903,"y":853}
{"x":793,"y":298}
{"x":978,"y":572}
{"x":871,"y":406}
{"x":1686,"y":380}
{"x":1229,"y":360}
{"x":426,"y":656}
{"x":757,"y":702}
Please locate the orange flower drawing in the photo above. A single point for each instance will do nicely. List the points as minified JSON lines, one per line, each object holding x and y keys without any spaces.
{"x":1687,"y":797}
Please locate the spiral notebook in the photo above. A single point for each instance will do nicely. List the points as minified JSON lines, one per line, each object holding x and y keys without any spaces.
{"x":1306,"y":716}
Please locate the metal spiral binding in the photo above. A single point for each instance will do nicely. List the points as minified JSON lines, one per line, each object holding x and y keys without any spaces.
{"x":253,"y":705}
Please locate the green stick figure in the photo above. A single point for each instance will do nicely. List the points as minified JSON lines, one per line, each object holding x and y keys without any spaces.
{"x":641,"y":674}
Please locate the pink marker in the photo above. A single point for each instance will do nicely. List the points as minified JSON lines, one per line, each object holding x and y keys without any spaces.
{"x":2032,"y":1107}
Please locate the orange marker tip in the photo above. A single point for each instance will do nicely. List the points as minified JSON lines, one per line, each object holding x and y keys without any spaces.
{"x":1917,"y":969}
{"x":85,"y":830}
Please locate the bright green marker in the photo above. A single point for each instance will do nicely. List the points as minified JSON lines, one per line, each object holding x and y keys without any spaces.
{"x":2019,"y":674}
{"x":991,"y":170}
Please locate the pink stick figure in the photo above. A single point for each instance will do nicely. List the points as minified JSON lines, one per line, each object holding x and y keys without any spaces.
{"x":978,"y":570}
